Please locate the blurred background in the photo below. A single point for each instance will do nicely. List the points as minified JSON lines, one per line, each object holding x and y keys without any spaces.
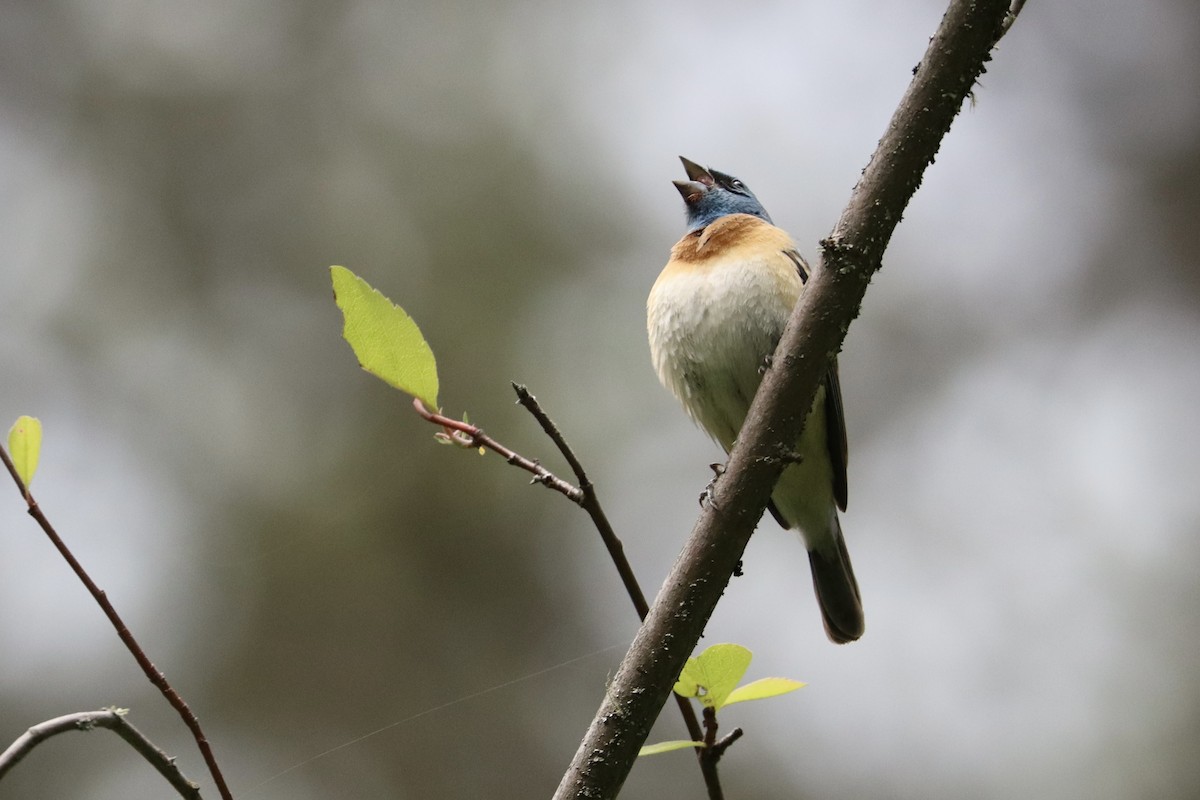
{"x":305,"y":563}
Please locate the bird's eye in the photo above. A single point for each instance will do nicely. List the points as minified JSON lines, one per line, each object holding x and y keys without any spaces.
{"x":736,"y":184}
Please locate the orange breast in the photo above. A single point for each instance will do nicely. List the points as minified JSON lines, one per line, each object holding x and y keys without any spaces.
{"x":735,"y":237}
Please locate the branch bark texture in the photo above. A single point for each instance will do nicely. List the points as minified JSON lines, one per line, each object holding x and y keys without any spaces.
{"x":955,"y":59}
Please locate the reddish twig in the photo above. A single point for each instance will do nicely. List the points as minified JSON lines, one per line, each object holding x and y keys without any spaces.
{"x":466,"y":435}
{"x":152,"y":672}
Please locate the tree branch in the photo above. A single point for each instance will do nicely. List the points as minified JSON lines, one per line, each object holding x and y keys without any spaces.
{"x":954,"y":60}
{"x":114,"y":720}
{"x":471,"y":436}
{"x":590,"y":503}
{"x":152,"y":673}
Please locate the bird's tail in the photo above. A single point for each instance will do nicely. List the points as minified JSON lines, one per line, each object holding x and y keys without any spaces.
{"x":837,"y":590}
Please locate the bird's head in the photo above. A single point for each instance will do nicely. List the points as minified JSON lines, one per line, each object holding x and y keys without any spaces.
{"x":710,"y":195}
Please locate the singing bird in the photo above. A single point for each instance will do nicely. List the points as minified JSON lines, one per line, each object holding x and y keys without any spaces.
{"x":714,"y":317}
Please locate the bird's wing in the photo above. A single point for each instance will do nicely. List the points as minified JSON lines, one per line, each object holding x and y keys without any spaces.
{"x":835,"y":415}
{"x":835,"y":432}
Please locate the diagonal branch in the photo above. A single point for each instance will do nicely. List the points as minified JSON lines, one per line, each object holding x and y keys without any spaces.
{"x":471,"y":436}
{"x":114,"y":720}
{"x":589,"y":502}
{"x":954,"y":60}
{"x":152,"y":673}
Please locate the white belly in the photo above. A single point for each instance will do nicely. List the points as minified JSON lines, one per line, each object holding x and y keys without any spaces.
{"x":711,"y":332}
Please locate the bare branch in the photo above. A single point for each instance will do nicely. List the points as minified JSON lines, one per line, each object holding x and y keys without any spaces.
{"x":616,"y":552}
{"x":114,"y":720}
{"x":851,"y":254}
{"x":151,"y":672}
{"x":718,"y":749}
{"x":472,"y":436}
{"x":588,"y":501}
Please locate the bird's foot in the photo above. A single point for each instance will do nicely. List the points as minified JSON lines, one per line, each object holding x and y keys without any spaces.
{"x":707,"y":497}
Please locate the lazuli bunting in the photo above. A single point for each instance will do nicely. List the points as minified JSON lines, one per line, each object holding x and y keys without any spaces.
{"x":714,"y":316}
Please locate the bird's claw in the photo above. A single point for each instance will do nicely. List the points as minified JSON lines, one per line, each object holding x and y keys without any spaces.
{"x":707,"y":497}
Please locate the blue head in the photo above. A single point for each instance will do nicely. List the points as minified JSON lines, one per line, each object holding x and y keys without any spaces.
{"x":710,"y":195}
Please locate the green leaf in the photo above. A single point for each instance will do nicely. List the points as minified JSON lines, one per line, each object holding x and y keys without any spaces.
{"x":389,"y":345}
{"x":25,"y":445}
{"x":666,"y":747}
{"x":712,"y":675}
{"x":762,"y":689}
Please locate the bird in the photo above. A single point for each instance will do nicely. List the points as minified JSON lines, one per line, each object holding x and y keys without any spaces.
{"x":714,"y":316}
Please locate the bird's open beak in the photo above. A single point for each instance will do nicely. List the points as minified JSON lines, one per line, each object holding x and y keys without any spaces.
{"x":696,"y":172}
{"x":700,"y":181}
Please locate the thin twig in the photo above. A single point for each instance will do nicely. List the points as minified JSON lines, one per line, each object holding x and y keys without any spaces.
{"x":114,"y":720}
{"x":718,"y":749}
{"x":589,"y":502}
{"x":472,"y":436}
{"x":616,"y":551}
{"x":710,"y":726}
{"x":152,"y":672}
{"x":530,"y":403}
{"x":715,"y":748}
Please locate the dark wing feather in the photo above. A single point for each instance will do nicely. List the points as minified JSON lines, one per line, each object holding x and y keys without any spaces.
{"x":835,"y":432}
{"x":801,"y":265}
{"x":783,"y":523}
{"x":835,"y":417}
{"x":835,"y":437}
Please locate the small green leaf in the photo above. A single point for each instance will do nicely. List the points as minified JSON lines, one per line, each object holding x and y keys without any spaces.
{"x":712,"y":675}
{"x":389,"y":345}
{"x":25,"y":445}
{"x":762,"y":689}
{"x":666,"y":747}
